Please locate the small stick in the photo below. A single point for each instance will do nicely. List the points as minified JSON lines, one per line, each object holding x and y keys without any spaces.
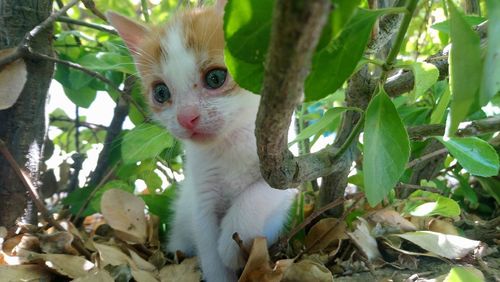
{"x":30,"y":188}
{"x":244,"y":251}
{"x":426,"y":157}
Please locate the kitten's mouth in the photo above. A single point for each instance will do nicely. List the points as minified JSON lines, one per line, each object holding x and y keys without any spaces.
{"x":199,"y":136}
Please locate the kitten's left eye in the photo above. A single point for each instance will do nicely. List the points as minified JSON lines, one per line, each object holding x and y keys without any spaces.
{"x":215,"y":78}
{"x":161,"y":93}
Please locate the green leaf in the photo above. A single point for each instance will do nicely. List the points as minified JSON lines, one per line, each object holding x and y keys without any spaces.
{"x":474,"y":154}
{"x":145,"y":141}
{"x":386,"y":148}
{"x":465,"y":69}
{"x":82,"y":97}
{"x":491,"y":79}
{"x":425,"y":76}
{"x":443,"y":206}
{"x":321,"y":125}
{"x":247,"y":29}
{"x":108,"y":61}
{"x":438,"y":113}
{"x":492,"y":186}
{"x":444,"y":26}
{"x":464,"y":274}
{"x":337,"y":61}
{"x":76,"y":199}
{"x":161,"y":204}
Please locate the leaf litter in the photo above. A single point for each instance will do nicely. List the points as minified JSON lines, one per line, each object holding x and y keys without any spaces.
{"x":125,"y":245}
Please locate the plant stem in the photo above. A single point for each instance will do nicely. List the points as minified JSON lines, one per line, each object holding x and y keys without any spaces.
{"x":391,"y":58}
{"x":144,"y":7}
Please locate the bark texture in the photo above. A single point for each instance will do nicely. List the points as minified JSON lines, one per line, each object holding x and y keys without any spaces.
{"x":22,"y":126}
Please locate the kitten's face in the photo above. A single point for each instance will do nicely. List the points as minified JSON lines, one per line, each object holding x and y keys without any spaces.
{"x":185,"y":78}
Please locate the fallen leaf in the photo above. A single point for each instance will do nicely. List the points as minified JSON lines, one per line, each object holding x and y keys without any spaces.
{"x":466,"y":274}
{"x":153,"y":224}
{"x":187,"y":271}
{"x":124,"y":212}
{"x":365,"y":241}
{"x":29,"y":272}
{"x":325,"y":235}
{"x":391,"y":219}
{"x":442,"y":226}
{"x":307,"y":271}
{"x":112,"y":255}
{"x":448,"y":246}
{"x":97,"y":276}
{"x":140,"y":262}
{"x":142,"y":275}
{"x":12,"y":79}
{"x":258,"y":269}
{"x":68,"y":265}
{"x":57,"y":243}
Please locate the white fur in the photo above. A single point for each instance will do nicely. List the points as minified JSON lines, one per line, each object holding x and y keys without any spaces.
{"x":224,"y":191}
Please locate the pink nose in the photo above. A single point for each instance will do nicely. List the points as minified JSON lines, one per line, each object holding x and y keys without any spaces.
{"x":188,"y":118}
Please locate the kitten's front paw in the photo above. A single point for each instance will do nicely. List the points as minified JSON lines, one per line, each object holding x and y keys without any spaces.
{"x":230,"y":252}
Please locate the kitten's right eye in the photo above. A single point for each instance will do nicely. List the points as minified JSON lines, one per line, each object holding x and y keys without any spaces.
{"x":161,"y":93}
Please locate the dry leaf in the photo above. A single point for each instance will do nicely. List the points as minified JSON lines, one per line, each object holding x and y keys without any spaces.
{"x":187,"y":271}
{"x":57,"y":243}
{"x":68,"y":265}
{"x":124,"y":212}
{"x":3,"y":233}
{"x":30,"y":272}
{"x":153,"y":224}
{"x":97,"y":276}
{"x":142,"y":275}
{"x":258,"y":269}
{"x":442,"y":226}
{"x":392,"y":220}
{"x":12,"y":79}
{"x":307,"y":271}
{"x":112,"y":255}
{"x":325,"y":235}
{"x":365,"y":241}
{"x":140,"y":262}
{"x":448,"y":246}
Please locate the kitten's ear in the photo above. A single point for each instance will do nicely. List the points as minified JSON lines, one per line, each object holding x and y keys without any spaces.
{"x":130,"y":31}
{"x":219,"y":5}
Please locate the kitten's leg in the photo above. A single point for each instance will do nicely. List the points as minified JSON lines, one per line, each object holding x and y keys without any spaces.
{"x":181,"y":234}
{"x":258,"y":211}
{"x":206,"y":234}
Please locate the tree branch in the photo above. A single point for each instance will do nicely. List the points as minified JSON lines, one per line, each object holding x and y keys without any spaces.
{"x":468,"y":128}
{"x":296,"y":29}
{"x":30,"y":188}
{"x":87,"y":24}
{"x":90,"y":5}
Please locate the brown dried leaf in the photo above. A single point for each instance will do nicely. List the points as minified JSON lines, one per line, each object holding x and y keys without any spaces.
{"x":187,"y":271}
{"x":30,"y":272}
{"x":12,"y":79}
{"x":325,"y":235}
{"x":124,"y":212}
{"x":112,"y":255}
{"x":96,"y":276}
{"x":307,"y":271}
{"x":442,"y":226}
{"x":142,"y":275}
{"x":68,"y":265}
{"x":153,"y":227}
{"x":57,"y":243}
{"x":392,"y":219}
{"x":258,"y":269}
{"x":141,"y":263}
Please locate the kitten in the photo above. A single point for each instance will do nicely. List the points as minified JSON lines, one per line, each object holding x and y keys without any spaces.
{"x":192,"y":94}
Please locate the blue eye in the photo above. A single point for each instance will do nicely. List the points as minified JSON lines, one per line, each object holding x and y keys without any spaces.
{"x":215,"y":78}
{"x":161,"y":93}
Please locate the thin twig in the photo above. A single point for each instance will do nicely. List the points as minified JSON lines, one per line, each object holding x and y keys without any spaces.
{"x":30,"y":188}
{"x":25,"y":45}
{"x":87,"y":24}
{"x":426,"y":157}
{"x":89,"y":4}
{"x":92,"y":194}
{"x":93,"y":74}
{"x":314,"y":215}
{"x":144,"y":8}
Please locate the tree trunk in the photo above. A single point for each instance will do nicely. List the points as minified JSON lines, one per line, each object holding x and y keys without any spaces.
{"x":22,"y":126}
